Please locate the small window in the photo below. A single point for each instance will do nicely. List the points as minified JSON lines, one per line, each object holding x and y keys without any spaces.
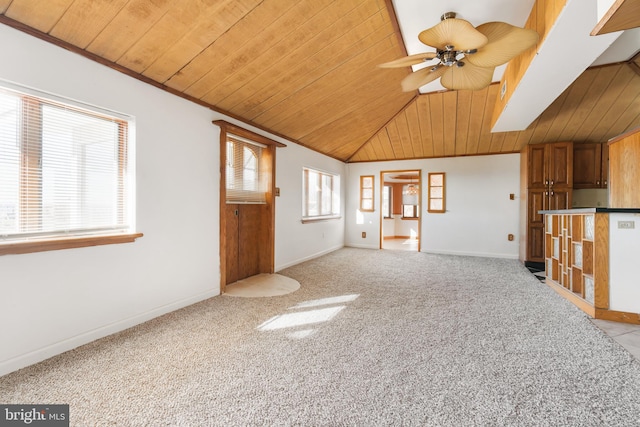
{"x":366,"y":193}
{"x":321,"y":195}
{"x":410,"y":197}
{"x":64,"y":170}
{"x":246,"y":181}
{"x":386,"y":201}
{"x":436,"y":192}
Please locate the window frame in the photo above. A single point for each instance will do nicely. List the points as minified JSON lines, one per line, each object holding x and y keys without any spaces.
{"x":335,"y":199}
{"x":367,"y":185}
{"x":386,"y":213}
{"x":37,"y":241}
{"x":434,"y":189}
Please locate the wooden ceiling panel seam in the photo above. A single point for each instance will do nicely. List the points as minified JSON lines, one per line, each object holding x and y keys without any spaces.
{"x":178,"y":57}
{"x":578,"y":91}
{"x":84,"y":20}
{"x":332,"y":84}
{"x":298,"y":35}
{"x":236,"y":35}
{"x":450,"y":117}
{"x":627,"y":95}
{"x":38,"y":17}
{"x":463,"y":112}
{"x":599,"y":85}
{"x":330,"y":95}
{"x":426,"y":130}
{"x":411,"y":115}
{"x":290,"y":64}
{"x":484,"y":145}
{"x":171,"y":29}
{"x":126,"y":28}
{"x":478,"y":101}
{"x":383,"y":127}
{"x":604,"y":103}
{"x":304,"y":75}
{"x":436,"y":111}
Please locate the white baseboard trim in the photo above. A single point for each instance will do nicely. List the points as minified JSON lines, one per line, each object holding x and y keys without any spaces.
{"x":24,"y":360}
{"x":476,"y":254}
{"x":308,"y":258}
{"x":362,"y":246}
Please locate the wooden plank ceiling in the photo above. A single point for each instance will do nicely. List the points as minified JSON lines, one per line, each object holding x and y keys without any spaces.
{"x":602,"y":103}
{"x":306,"y":70}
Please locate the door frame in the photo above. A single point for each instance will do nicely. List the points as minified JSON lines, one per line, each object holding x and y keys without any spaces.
{"x":419,"y":179}
{"x":268,"y":250}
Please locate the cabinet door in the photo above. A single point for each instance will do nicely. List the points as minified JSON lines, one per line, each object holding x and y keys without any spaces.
{"x":536,"y":201}
{"x":535,"y":244}
{"x":560,"y":164}
{"x":560,"y":199}
{"x":604,"y":169}
{"x":536,"y":166}
{"x":587,"y":165}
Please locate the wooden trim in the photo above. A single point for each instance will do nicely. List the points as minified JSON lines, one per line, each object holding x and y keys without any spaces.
{"x":571,"y":297}
{"x":444,"y":193}
{"x":601,"y":261}
{"x":65,"y":243}
{"x":622,"y":15}
{"x":433,"y":157}
{"x":618,"y":316}
{"x":623,"y":136}
{"x":372,"y":188}
{"x":223,"y":206}
{"x":245,"y":133}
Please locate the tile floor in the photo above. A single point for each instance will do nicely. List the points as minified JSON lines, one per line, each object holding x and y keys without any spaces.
{"x":625,"y":334}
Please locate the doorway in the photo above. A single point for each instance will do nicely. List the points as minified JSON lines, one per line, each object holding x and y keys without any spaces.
{"x":247,"y":203}
{"x":400,"y":202}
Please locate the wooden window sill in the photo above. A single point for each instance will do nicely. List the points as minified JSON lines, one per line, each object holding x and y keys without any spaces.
{"x":65,"y":243}
{"x":409,"y":219}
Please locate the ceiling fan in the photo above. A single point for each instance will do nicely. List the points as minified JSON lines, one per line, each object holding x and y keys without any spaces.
{"x":467,"y":56}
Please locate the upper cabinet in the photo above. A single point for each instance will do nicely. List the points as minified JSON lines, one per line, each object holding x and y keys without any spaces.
{"x":550,"y":165}
{"x":590,"y":165}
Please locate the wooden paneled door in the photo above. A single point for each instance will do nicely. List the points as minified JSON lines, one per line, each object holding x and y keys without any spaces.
{"x":247,"y":230}
{"x":247,"y":241}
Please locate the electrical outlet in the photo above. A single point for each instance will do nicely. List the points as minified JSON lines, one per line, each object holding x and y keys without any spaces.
{"x":512,"y":196}
{"x":364,"y":234}
{"x":510,"y":237}
{"x":627,"y":224}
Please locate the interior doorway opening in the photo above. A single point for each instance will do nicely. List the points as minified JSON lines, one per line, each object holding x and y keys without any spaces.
{"x":400,"y":202}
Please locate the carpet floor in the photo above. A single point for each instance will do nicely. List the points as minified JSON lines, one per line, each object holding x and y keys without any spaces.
{"x":370,"y":338}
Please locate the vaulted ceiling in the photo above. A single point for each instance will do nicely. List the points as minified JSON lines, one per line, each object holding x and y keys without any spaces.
{"x":306,"y":71}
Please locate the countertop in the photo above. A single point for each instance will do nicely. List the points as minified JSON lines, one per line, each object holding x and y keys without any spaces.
{"x":590,"y":210}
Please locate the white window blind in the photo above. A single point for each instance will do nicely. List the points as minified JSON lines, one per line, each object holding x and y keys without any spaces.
{"x":63,"y":169}
{"x":246,"y":178}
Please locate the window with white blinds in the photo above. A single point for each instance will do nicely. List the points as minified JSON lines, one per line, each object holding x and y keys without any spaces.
{"x":321,"y":195}
{"x":246,"y":175}
{"x":63,"y":168}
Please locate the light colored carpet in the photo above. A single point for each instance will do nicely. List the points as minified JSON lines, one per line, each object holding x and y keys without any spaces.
{"x":370,"y":338}
{"x":262,"y":285}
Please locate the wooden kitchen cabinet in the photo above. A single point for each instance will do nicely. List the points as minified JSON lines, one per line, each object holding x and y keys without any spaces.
{"x":548,"y":185}
{"x":590,"y":165}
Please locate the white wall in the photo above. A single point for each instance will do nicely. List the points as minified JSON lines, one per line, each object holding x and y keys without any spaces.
{"x":54,"y":301}
{"x":295,"y":241}
{"x":479,"y":213}
{"x":624,"y":247}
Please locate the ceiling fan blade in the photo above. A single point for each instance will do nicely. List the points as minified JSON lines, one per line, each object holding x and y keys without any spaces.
{"x":453,"y":32}
{"x":421,"y":77}
{"x":468,"y":77}
{"x":409,"y":60}
{"x":505,"y":43}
